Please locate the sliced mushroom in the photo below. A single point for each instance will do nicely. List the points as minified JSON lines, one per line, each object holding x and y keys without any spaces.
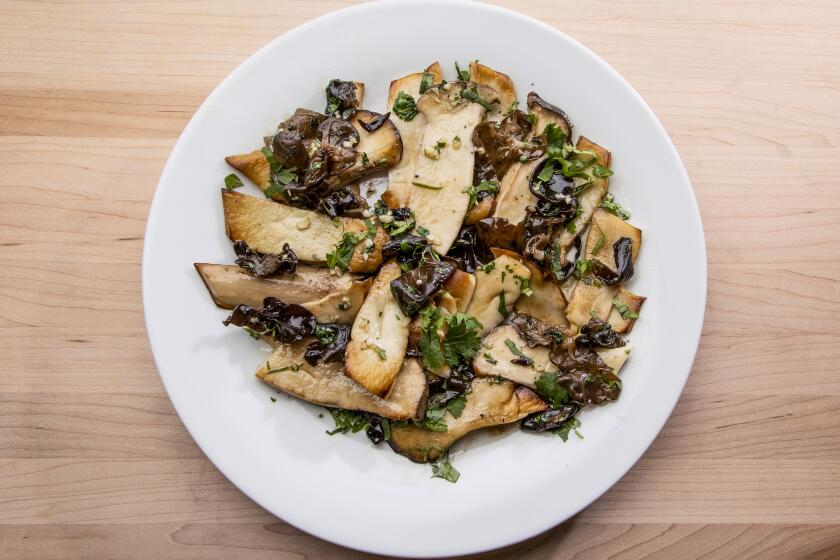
{"x":265,"y":226}
{"x":615,"y":357}
{"x":461,"y":286}
{"x":502,"y":281}
{"x":401,"y":175}
{"x":500,"y":82}
{"x":588,"y":201}
{"x":496,"y":359}
{"x":547,"y":302}
{"x":604,"y":231}
{"x":480,"y":210}
{"x":617,"y":321}
{"x":380,"y":149}
{"x":589,"y":299}
{"x":330,"y":298}
{"x":326,"y":385}
{"x":515,"y":196}
{"x":253,"y":165}
{"x":442,"y":172}
{"x":379,"y":337}
{"x":489,"y":403}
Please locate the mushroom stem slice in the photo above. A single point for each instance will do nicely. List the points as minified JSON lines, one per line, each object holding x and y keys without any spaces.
{"x":380,"y":149}
{"x":265,"y":226}
{"x":330,"y":298}
{"x":402,"y":174}
{"x":442,"y":172}
{"x":500,"y":82}
{"x":589,"y":200}
{"x":379,"y":337}
{"x":498,"y":286}
{"x":622,"y":323}
{"x":326,"y":385}
{"x":607,"y":228}
{"x":253,"y":165}
{"x":489,"y":403}
{"x":496,"y":357}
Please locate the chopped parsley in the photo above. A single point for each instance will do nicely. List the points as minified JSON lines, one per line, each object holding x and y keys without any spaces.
{"x":462,"y":74}
{"x":625,"y":311}
{"x":490,"y":359}
{"x":433,"y":421}
{"x":525,"y":286}
{"x":427,"y":81}
{"x":572,"y":424}
{"x":472,"y":95}
{"x":461,"y":342}
{"x":487,"y":268}
{"x":272,"y":399}
{"x":340,"y":257}
{"x":610,"y":205}
{"x":347,"y":421}
{"x":601,"y":171}
{"x":404,"y":106}
{"x":427,"y":185}
{"x":422,"y":231}
{"x":443,"y":468}
{"x":582,"y":268}
{"x":379,"y":352}
{"x":490,"y":187}
{"x":365,"y":158}
{"x":233,"y":181}
{"x":279,"y":176}
{"x":502,"y":305}
{"x":522,"y":358}
{"x":293,"y":367}
{"x":598,"y":244}
{"x":548,"y":388}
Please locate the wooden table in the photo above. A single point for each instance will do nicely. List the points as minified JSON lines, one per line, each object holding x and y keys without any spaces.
{"x":94,"y":463}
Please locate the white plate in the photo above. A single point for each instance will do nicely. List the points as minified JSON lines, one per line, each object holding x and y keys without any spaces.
{"x":341,"y":488}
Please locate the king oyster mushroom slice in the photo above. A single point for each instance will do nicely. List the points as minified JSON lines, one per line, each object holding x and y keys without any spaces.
{"x":379,"y":337}
{"x":497,"y":281}
{"x":604,"y":230}
{"x":326,"y":385}
{"x":515,"y":196}
{"x":461,"y":286}
{"x":330,"y":298}
{"x":380,"y":149}
{"x":266,"y":225}
{"x":489,"y":403}
{"x":617,"y":321}
{"x":500,"y":82}
{"x":495,"y":358}
{"x":401,"y":175}
{"x":500,"y":363}
{"x":442,"y":172}
{"x":546,"y":303}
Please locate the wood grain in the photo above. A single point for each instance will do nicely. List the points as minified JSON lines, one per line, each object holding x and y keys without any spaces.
{"x":94,"y":463}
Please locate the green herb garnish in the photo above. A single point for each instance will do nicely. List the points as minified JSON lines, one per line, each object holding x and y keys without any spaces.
{"x":404,"y":106}
{"x":379,"y":352}
{"x":427,"y":185}
{"x":525,"y":286}
{"x":548,"y":388}
{"x":490,"y":187}
{"x":426,"y":82}
{"x":443,"y":468}
{"x":472,"y":95}
{"x":487,"y":268}
{"x":340,"y":257}
{"x":462,"y":74}
{"x":610,"y":205}
{"x":625,"y":311}
{"x":568,"y":426}
{"x":463,"y":338}
{"x":502,"y":305}
{"x":233,"y":181}
{"x":347,"y":421}
{"x":518,"y":353}
{"x":490,"y":359}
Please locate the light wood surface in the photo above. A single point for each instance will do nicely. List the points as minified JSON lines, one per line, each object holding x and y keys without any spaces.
{"x":94,"y":463}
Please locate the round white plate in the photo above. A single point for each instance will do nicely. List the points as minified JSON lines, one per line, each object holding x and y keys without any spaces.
{"x":341,"y":488}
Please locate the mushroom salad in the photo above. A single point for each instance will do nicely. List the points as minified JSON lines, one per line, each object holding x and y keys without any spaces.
{"x":486,"y":285}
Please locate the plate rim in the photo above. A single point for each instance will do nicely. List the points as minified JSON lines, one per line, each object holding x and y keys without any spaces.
{"x":290,"y":35}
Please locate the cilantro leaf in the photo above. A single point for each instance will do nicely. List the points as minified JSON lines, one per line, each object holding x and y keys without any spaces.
{"x":625,"y":311}
{"x":347,"y":421}
{"x":340,"y":257}
{"x":463,"y":338}
{"x":404,"y":106}
{"x":426,"y":82}
{"x":490,"y":187}
{"x":571,"y":424}
{"x":233,"y":181}
{"x":429,"y":344}
{"x":472,"y":95}
{"x":548,"y":388}
{"x":443,"y":468}
{"x":610,"y":205}
{"x":462,"y":74}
